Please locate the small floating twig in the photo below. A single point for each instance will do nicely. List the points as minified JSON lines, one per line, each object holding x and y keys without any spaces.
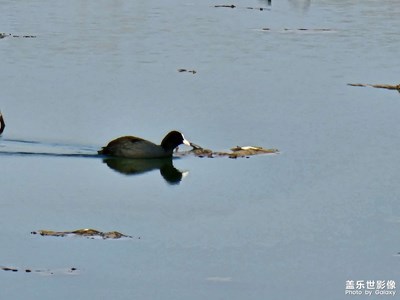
{"x":257,"y":8}
{"x":185,"y":70}
{"x":357,"y":84}
{"x":248,"y":7}
{"x":87,"y":232}
{"x":378,"y":86}
{"x":25,"y":36}
{"x":4,"y":35}
{"x":67,"y":271}
{"x":225,"y":5}
{"x":299,"y":29}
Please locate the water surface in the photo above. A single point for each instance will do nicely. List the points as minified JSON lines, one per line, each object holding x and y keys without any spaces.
{"x":291,"y":226}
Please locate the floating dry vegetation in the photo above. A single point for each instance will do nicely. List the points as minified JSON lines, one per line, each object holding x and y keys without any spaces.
{"x":87,"y":232}
{"x":298,"y":30}
{"x":378,"y":86}
{"x":246,"y":7}
{"x":236,"y":152}
{"x":188,"y":71}
{"x":4,"y":35}
{"x":63,"y":271}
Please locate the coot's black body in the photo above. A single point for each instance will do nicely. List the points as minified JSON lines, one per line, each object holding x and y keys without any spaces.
{"x":134,"y":147}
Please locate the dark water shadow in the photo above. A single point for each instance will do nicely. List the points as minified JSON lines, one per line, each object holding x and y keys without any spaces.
{"x":19,"y":147}
{"x":23,"y":153}
{"x":46,"y":154}
{"x":21,"y":141}
{"x":128,"y":166}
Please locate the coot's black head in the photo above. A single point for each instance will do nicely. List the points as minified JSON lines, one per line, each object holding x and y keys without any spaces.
{"x":173,"y":140}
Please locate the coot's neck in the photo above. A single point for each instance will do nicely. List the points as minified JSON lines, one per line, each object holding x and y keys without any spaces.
{"x":168,"y":146}
{"x":170,"y":142}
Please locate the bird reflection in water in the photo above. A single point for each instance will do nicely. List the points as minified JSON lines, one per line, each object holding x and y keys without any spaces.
{"x":129,"y":166}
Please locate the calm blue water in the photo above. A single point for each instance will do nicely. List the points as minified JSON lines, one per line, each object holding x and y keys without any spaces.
{"x":295,"y":225}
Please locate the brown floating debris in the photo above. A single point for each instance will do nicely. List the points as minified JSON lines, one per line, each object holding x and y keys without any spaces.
{"x":9,"y":269}
{"x":87,"y":232}
{"x":224,"y":5}
{"x":63,"y":271}
{"x":238,"y":151}
{"x":256,"y":8}
{"x":356,"y":84}
{"x":249,"y":150}
{"x":3,"y":35}
{"x":299,"y":29}
{"x":248,"y":7}
{"x":189,"y":71}
{"x":378,"y":86}
{"x":308,"y":29}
